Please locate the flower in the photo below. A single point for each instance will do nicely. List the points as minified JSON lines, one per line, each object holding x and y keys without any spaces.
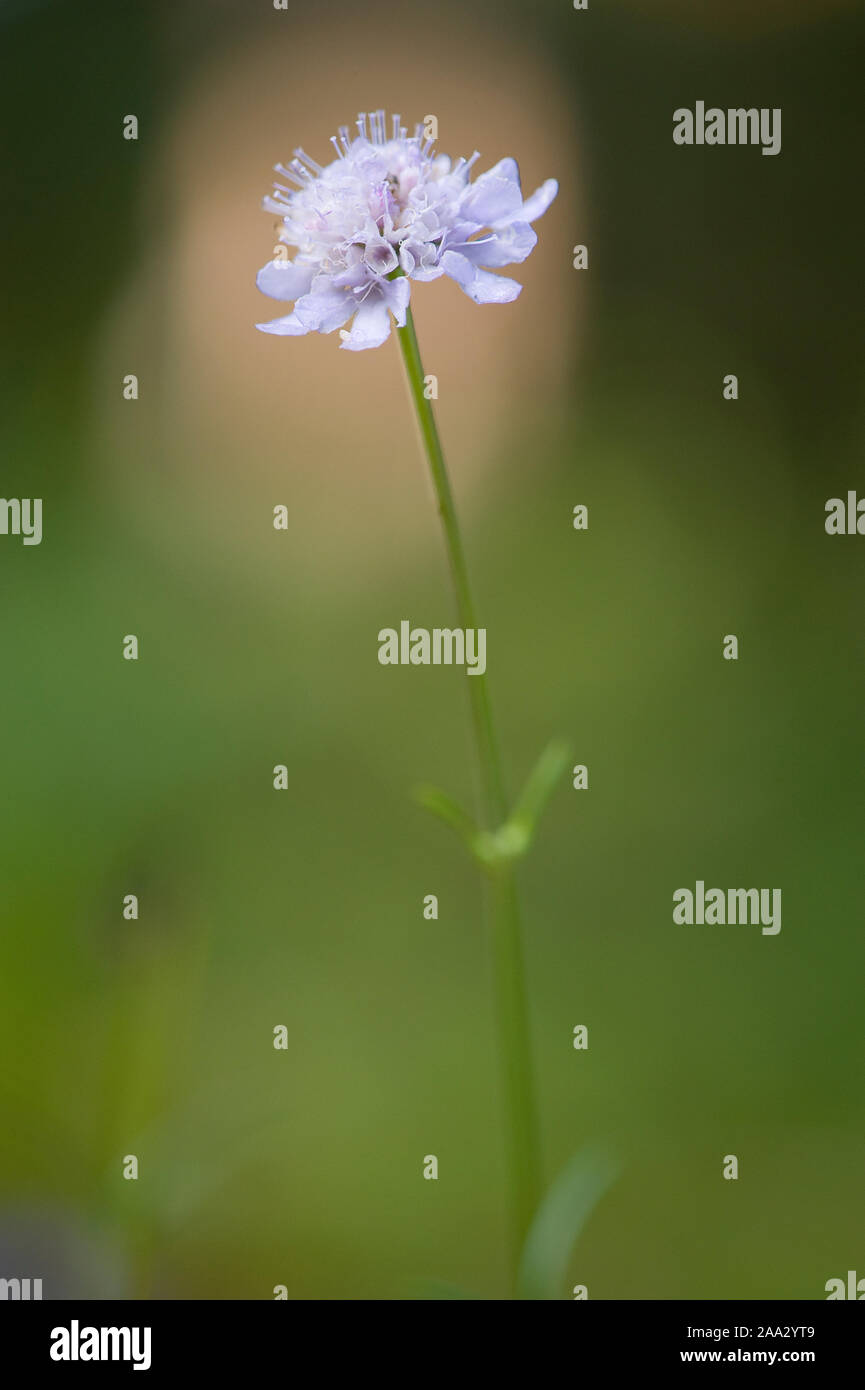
{"x":387,"y":211}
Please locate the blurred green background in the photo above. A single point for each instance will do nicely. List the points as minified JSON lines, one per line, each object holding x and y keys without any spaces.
{"x":304,"y":908}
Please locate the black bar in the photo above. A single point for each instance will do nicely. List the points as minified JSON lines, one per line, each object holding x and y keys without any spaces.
{"x":218,"y":1339}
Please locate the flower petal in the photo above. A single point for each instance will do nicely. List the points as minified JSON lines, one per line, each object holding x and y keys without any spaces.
{"x":397,"y":294}
{"x":510,"y":246}
{"x":506,"y":168}
{"x":284,"y":279}
{"x":494,"y":197}
{"x":370,"y":328}
{"x":380,"y":256}
{"x":535,"y":206}
{"x":290,"y":326}
{"x":432,"y":273}
{"x":324,"y":310}
{"x":480,"y":285}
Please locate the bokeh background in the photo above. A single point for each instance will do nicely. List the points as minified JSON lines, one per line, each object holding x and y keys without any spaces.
{"x":258,"y":647}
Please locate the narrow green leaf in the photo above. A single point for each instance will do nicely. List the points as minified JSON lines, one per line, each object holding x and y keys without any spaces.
{"x":539,"y":787}
{"x":439,"y":804}
{"x":559,"y":1222}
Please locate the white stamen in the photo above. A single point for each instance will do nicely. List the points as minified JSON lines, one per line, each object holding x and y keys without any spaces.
{"x":287,"y":174}
{"x":301,"y":154}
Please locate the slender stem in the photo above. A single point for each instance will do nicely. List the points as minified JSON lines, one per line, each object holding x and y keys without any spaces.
{"x":495,"y":806}
{"x":503,"y":905}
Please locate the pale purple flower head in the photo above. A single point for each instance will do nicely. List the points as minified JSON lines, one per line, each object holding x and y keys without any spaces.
{"x":386,"y":211}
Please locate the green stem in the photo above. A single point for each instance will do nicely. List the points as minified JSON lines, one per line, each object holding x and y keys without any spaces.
{"x":503,"y":906}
